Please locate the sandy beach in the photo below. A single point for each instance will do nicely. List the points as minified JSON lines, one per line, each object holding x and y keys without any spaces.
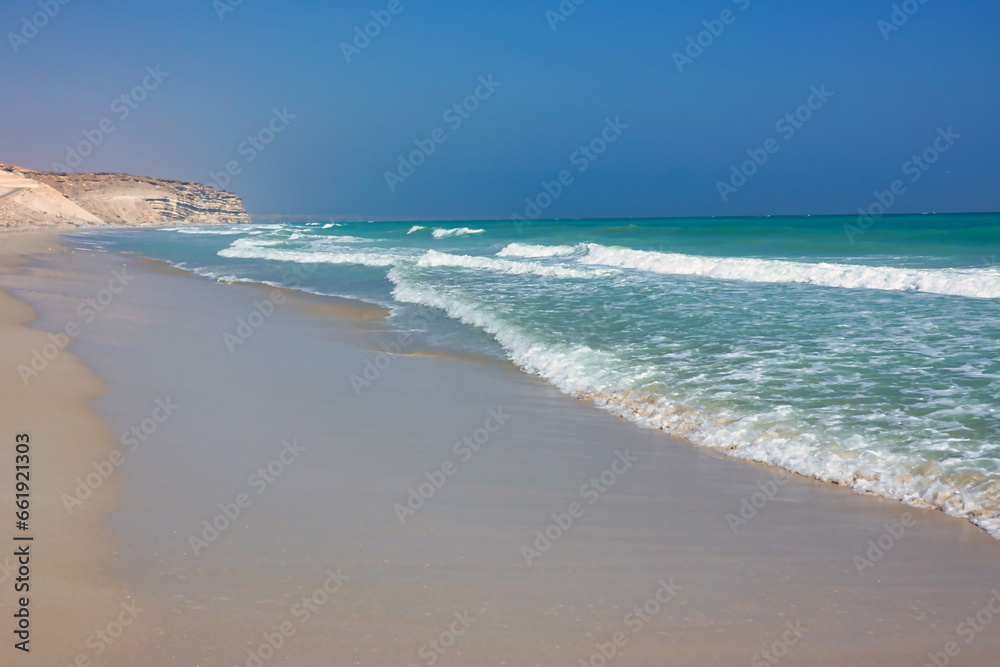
{"x":76,"y":604}
{"x":260,"y":507}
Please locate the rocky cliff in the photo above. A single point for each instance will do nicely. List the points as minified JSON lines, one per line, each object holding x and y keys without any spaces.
{"x":39,"y":198}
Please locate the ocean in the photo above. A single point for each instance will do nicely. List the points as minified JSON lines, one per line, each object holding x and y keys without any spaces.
{"x":864,"y":355}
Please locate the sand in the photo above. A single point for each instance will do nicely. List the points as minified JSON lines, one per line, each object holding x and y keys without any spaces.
{"x":72,"y":591}
{"x":451,"y":582}
{"x":26,"y":202}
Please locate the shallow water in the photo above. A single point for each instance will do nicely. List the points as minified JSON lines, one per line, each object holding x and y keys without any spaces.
{"x":870,"y":359}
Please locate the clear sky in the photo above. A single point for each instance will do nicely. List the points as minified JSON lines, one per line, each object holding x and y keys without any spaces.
{"x":224,"y":68}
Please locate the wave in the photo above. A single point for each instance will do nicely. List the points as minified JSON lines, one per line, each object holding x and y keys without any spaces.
{"x":529,"y":250}
{"x":769,"y":438}
{"x":440,"y":233}
{"x":206,"y":231}
{"x":433,"y":258}
{"x":321,"y":241}
{"x":976,"y":283}
{"x":565,"y":369}
{"x":415,"y":228}
{"x":256,"y":249}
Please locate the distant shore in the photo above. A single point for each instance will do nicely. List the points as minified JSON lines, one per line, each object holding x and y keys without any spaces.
{"x":30,"y":198}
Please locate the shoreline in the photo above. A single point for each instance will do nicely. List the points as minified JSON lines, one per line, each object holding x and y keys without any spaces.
{"x":795,"y":558}
{"x":947,"y":499}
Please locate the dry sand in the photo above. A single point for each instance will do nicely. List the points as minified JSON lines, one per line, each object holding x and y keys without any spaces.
{"x":26,"y":202}
{"x":335,"y":505}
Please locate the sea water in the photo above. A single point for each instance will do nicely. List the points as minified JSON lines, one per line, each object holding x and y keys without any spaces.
{"x":865,"y":357}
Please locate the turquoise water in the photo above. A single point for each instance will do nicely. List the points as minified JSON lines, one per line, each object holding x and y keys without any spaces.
{"x":868,"y":359}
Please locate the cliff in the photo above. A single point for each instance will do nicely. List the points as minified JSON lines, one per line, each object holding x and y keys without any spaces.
{"x":39,"y":198}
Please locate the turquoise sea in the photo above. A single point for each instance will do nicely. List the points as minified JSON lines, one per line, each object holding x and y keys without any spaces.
{"x":868,"y":359}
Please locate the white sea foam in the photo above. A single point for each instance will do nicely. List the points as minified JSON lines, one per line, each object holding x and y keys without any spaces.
{"x":256,"y":249}
{"x":435,"y":258}
{"x":332,"y":224}
{"x":979,"y":283}
{"x":530,"y":250}
{"x":265,"y":226}
{"x":321,"y":241}
{"x":566,"y":369}
{"x":207,"y":231}
{"x":415,"y":228}
{"x":440,"y":233}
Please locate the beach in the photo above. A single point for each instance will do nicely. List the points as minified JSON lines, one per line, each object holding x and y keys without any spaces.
{"x":287,"y":492}
{"x":74,"y":599}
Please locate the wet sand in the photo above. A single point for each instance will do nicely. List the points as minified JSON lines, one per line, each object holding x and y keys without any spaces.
{"x":74,"y":598}
{"x":307,"y":473}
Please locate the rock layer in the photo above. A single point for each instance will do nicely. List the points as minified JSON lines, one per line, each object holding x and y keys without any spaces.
{"x":38,"y":198}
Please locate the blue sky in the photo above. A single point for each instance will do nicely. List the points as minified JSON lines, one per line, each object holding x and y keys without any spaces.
{"x":222,"y":79}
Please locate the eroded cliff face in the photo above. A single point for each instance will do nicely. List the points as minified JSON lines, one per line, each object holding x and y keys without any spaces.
{"x":39,"y":198}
